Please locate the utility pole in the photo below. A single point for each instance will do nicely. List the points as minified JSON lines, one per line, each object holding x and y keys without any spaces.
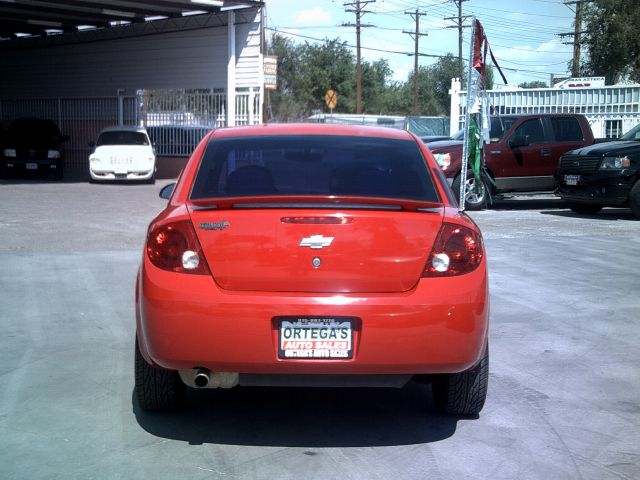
{"x":416,"y":37}
{"x":357,"y":7}
{"x":576,"y":34}
{"x":459,"y":25}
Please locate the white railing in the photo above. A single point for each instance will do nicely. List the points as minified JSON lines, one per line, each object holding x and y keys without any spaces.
{"x":610,"y":110}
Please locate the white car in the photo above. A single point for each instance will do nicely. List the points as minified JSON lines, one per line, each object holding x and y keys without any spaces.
{"x":123,"y":153}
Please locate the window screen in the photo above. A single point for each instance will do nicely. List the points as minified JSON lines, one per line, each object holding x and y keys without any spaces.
{"x":313,"y":165}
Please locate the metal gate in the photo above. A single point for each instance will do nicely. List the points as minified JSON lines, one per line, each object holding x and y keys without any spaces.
{"x":194,"y":110}
{"x":79,"y":118}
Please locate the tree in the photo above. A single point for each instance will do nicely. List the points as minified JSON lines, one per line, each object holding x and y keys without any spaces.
{"x":534,"y":84}
{"x":305,"y":73}
{"x":376,"y":80}
{"x":613,"y":40}
{"x":283,"y":102}
{"x":323,"y":67}
{"x":440,"y":75}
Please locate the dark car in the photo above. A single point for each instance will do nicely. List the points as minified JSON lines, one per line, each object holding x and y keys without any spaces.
{"x":34,"y":145}
{"x":602,"y":175}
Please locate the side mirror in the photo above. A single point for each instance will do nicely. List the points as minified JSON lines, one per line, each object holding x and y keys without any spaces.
{"x":92,"y":145}
{"x":167,"y":191}
{"x":519,"y":141}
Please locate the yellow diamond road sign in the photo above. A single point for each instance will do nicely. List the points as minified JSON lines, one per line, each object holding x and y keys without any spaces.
{"x":331,"y":98}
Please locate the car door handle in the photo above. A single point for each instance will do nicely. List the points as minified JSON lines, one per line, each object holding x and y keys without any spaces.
{"x":545,"y":152}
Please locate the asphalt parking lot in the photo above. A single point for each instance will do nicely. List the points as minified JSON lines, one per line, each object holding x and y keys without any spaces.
{"x":564,"y":392}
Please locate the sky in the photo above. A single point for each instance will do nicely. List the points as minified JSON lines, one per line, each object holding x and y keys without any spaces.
{"x":522,"y":34}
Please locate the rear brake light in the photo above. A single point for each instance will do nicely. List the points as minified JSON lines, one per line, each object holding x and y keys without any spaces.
{"x":318,"y":220}
{"x":457,"y":250}
{"x":175,"y":247}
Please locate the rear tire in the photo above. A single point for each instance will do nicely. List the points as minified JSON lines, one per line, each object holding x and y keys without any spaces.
{"x":477,"y":196}
{"x":462,"y":393}
{"x":585,"y":208}
{"x":634,"y":200}
{"x":157,"y":390}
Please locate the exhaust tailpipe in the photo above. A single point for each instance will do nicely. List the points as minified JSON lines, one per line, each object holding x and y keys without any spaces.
{"x":202,"y":378}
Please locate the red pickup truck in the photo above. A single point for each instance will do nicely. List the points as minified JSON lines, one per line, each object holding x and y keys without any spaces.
{"x":522,"y":155}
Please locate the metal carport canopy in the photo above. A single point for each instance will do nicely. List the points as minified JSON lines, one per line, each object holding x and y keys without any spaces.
{"x":19,"y":18}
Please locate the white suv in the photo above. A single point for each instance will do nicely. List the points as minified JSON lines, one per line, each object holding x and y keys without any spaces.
{"x":123,"y":153}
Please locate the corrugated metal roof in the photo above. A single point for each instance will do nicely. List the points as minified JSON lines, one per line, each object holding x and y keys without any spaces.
{"x":21,"y":18}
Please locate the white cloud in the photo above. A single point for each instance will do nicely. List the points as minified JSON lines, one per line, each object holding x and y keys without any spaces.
{"x":314,"y":16}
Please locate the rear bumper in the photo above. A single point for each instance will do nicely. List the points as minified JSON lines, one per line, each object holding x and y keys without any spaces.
{"x":186,"y":321}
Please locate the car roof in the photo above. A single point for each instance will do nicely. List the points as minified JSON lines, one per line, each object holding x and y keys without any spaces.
{"x":149,"y":127}
{"x":124,"y":128}
{"x":313,"y":129}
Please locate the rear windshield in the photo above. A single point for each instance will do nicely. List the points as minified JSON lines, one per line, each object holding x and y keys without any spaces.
{"x":122,"y":138}
{"x":313,"y":165}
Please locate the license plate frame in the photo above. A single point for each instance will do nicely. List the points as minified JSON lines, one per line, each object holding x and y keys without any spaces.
{"x":572,"y":179}
{"x":315,"y":338}
{"x":31,"y":166}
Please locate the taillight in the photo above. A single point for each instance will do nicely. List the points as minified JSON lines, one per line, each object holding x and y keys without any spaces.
{"x":175,"y":247}
{"x":457,"y":250}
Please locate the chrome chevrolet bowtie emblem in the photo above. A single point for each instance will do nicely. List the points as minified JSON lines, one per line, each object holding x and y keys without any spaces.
{"x":316,"y":241}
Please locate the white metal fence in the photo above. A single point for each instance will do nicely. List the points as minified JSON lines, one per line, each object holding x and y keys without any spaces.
{"x":611,"y":110}
{"x":192,"y":112}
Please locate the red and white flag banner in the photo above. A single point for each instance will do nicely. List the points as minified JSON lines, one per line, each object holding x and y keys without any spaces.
{"x":480,"y":49}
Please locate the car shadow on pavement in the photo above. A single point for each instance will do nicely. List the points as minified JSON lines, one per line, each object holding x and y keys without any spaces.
{"x":542,"y":203}
{"x":304,"y":417}
{"x":604,"y":214}
{"x":35,"y":178}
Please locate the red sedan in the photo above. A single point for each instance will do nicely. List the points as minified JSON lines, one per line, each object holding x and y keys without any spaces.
{"x":312,"y":255}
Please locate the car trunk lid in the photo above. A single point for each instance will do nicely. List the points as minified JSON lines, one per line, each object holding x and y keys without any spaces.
{"x":340,"y":250}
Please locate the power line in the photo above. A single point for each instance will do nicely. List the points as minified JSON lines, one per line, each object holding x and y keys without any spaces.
{"x":307,"y":37}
